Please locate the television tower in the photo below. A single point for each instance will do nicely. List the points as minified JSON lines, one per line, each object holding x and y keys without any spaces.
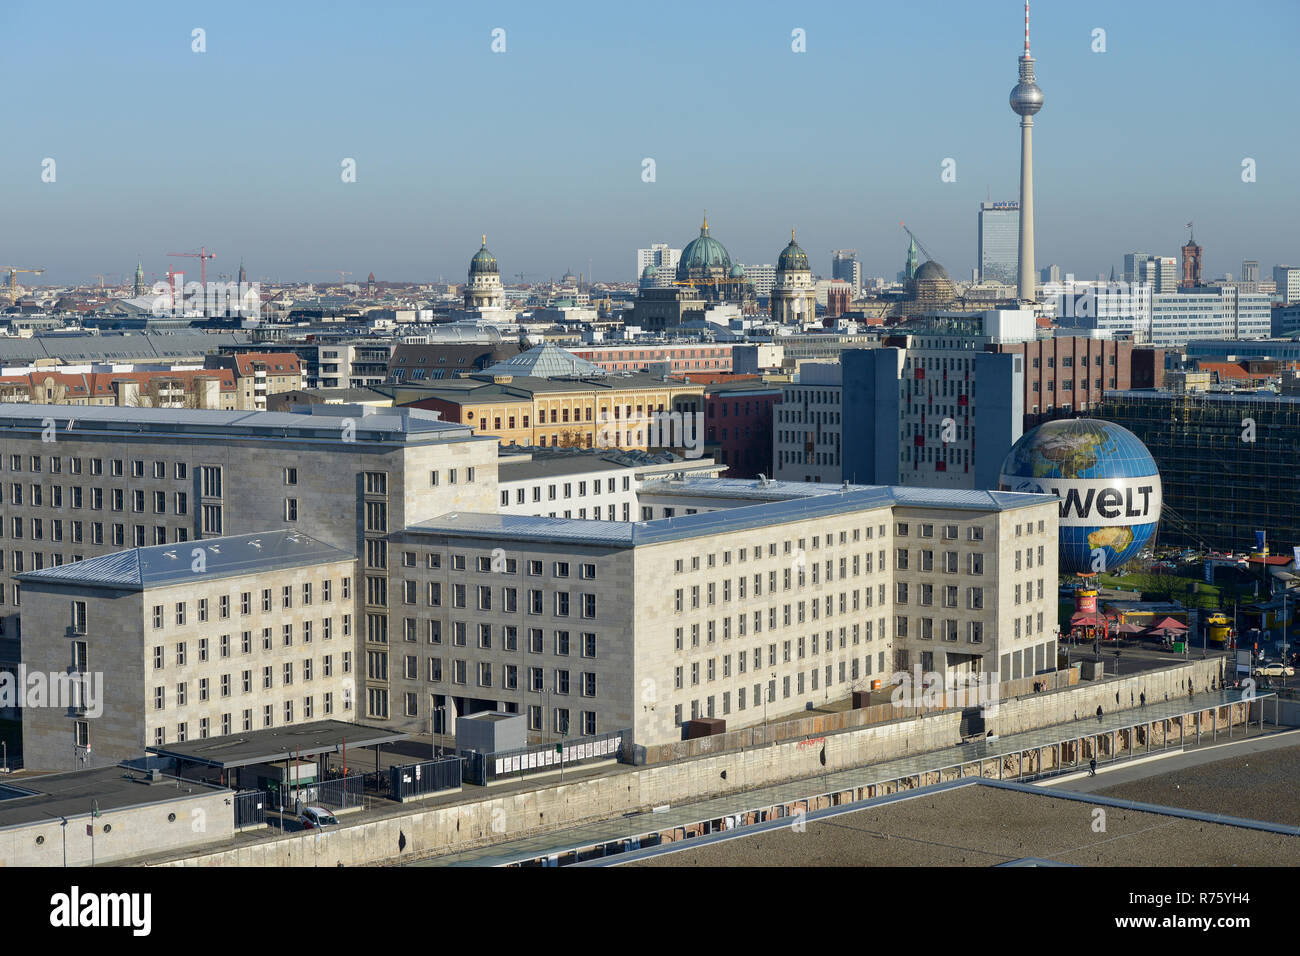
{"x":1026,"y":100}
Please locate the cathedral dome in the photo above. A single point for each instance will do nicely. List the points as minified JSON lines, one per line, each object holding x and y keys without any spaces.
{"x":703,"y":255}
{"x":483,"y":263}
{"x":793,"y":258}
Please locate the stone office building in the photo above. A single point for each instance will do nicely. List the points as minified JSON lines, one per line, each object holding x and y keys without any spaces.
{"x":205,"y":639}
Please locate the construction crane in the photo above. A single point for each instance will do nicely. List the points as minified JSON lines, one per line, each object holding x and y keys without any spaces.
{"x":919,"y":244}
{"x":13,"y":279}
{"x":523,"y":275}
{"x":203,"y":256}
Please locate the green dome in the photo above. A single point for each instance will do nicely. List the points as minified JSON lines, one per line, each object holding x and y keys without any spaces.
{"x":737,"y":272}
{"x":649,"y":272}
{"x":484,"y":262}
{"x":702,"y":255}
{"x":793,"y":258}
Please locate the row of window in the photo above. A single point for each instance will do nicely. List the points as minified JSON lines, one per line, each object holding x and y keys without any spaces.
{"x":286,"y":709}
{"x":791,"y":650}
{"x":610,"y":485}
{"x":949,"y":561}
{"x":535,"y":598}
{"x":789,"y":547}
{"x":222,"y":606}
{"x":796,"y":684}
{"x":486,"y":636}
{"x":288,"y":637}
{"x":117,"y":466}
{"x":224,"y":684}
{"x":711,"y":633}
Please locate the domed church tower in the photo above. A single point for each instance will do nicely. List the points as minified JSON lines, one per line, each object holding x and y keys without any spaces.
{"x":794,"y":297}
{"x":706,"y":266}
{"x":484,"y":290}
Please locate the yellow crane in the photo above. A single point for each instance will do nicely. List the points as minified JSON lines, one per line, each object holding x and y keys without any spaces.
{"x":13,"y":279}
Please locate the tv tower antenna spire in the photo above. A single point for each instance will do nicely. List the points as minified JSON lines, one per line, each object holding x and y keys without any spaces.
{"x":1026,"y":100}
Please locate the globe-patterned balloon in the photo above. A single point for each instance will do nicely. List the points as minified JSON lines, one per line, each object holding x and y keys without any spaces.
{"x":1107,"y":483}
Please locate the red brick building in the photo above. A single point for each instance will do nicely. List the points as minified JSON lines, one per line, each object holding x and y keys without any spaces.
{"x":738,"y":426}
{"x":1066,"y":375}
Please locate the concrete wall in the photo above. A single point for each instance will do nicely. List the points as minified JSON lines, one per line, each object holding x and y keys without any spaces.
{"x":512,"y":816}
{"x":1028,"y":713}
{"x":133,"y":831}
{"x":515,"y":815}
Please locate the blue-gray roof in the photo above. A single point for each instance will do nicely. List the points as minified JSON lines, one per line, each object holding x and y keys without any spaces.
{"x":547,"y":360}
{"x":74,"y":349}
{"x":167,"y":564}
{"x":814,"y":502}
{"x":310,"y":422}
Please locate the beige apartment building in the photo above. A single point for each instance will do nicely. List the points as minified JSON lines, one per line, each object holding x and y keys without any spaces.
{"x":206,"y":639}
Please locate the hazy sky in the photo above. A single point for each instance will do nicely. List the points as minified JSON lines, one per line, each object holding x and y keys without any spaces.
{"x":160,"y":149}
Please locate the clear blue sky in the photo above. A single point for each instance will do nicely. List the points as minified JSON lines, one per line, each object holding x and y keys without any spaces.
{"x":160,"y":149}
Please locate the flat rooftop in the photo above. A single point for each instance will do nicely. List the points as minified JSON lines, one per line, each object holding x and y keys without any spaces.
{"x":167,"y":564}
{"x":990,"y":825}
{"x":313,"y":423}
{"x":780,"y":502}
{"x":278,"y":743}
{"x":27,"y":800}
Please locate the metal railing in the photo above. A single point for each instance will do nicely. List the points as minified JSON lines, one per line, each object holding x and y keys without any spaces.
{"x":544,"y":758}
{"x":250,"y":808}
{"x":418,"y":779}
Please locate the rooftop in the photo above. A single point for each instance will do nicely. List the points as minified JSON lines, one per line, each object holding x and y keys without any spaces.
{"x":312,"y":423}
{"x":75,"y":349}
{"x":32,"y":799}
{"x":167,"y":564}
{"x":278,"y":743}
{"x":546,"y":361}
{"x":782,"y":502}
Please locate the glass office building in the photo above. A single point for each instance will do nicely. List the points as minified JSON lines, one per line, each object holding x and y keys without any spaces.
{"x":999,"y":241}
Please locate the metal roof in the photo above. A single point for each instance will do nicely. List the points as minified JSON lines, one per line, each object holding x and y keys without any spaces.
{"x":313,"y":422}
{"x":279,"y":743}
{"x":98,"y":348}
{"x":776,"y":509}
{"x":547,"y":360}
{"x":167,"y":564}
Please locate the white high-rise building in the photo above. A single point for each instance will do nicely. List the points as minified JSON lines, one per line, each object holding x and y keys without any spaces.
{"x":1211,"y":313}
{"x":762,"y":277}
{"x":845,"y":265}
{"x":806,"y":432}
{"x":1286,"y":281}
{"x":663,"y":258}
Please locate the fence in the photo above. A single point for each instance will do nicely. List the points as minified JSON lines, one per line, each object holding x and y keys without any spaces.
{"x":484,"y":768}
{"x":933,"y":701}
{"x":419,"y":779}
{"x":250,"y":808}
{"x":337,"y":794}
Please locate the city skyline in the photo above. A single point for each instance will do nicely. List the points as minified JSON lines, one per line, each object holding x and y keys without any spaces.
{"x":547,"y":156}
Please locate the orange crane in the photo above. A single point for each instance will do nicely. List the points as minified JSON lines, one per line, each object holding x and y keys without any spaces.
{"x":13,"y":278}
{"x":203,"y":256}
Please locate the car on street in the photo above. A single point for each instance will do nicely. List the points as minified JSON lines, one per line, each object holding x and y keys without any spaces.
{"x":1276,"y":669}
{"x":315,"y":818}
